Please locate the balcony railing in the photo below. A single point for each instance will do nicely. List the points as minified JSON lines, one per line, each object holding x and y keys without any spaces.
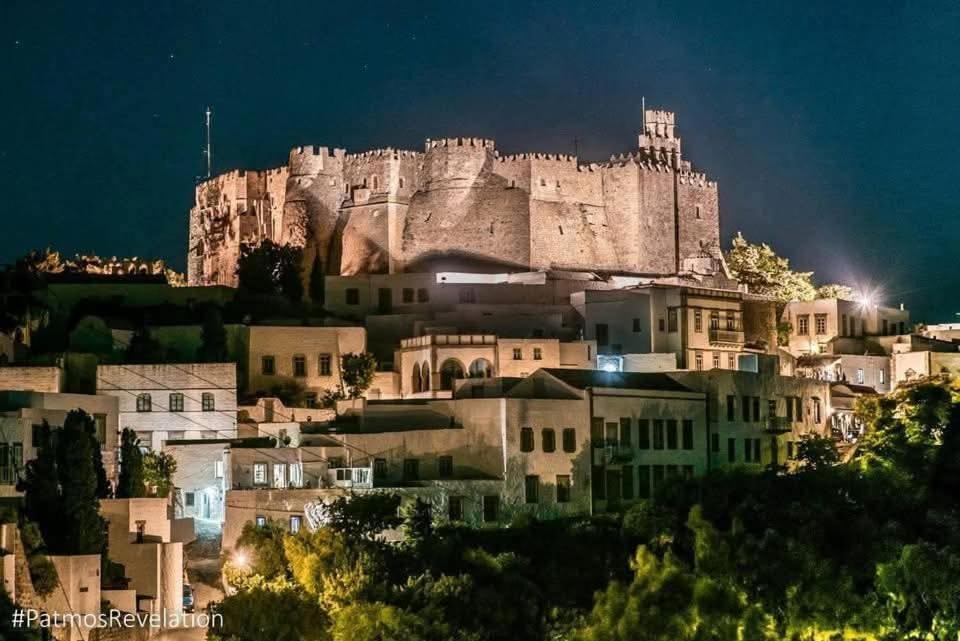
{"x":778,"y":424}
{"x":718,"y":335}
{"x":350,"y":477}
{"x":615,"y":452}
{"x":449,"y":339}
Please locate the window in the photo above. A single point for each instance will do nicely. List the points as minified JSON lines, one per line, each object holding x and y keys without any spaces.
{"x":268,"y":366}
{"x":517,"y":354}
{"x":731,"y":361}
{"x":672,"y":319}
{"x":445,"y":467}
{"x":218,"y":469}
{"x":563,"y":488}
{"x":731,"y":407}
{"x":882,"y":376}
{"x":660,"y":324}
{"x":300,"y":366}
{"x":697,"y":212}
{"x":820,"y":321}
{"x":401,"y":182}
{"x":697,"y":321}
{"x":716,"y":360}
{"x":455,"y":508}
{"x":731,"y":320}
{"x":175,"y":435}
{"x":259,"y":473}
{"x":602,"y":332}
{"x":643,"y":436}
{"x":491,"y":508}
{"x":531,"y":488}
{"x":627,"y":482}
{"x":714,"y":320}
{"x":548,"y":440}
{"x":715,"y":443}
{"x":176,"y":402}
{"x":569,"y":439}
{"x":658,"y":476}
{"x":798,"y":403}
{"x":325,"y":362}
{"x":643,"y":486}
{"x":671,"y":434}
{"x":468,"y":295}
{"x":100,"y":420}
{"x":411,"y":469}
{"x":698,"y":361}
{"x":625,"y":432}
{"x":746,"y":409}
{"x":687,"y":435}
{"x":261,"y":521}
{"x":423,"y":296}
{"x":732,"y":450}
{"x":636,"y":325}
{"x":280,"y":475}
{"x":526,"y":439}
{"x":756,"y":450}
{"x":859,"y":376}
{"x":612,"y":434}
{"x":144,"y":403}
{"x":537,"y":354}
{"x":803,"y":324}
{"x":658,"y":434}
{"x":295,"y":523}
{"x":379,"y":468}
{"x":352,"y":296}
{"x":789,"y":409}
{"x":756,"y":409}
{"x":207,"y":402}
{"x":748,"y":450}
{"x":189,"y":499}
{"x":598,"y":489}
{"x":772,"y":408}
{"x":407,"y":294}
{"x":817,"y":417}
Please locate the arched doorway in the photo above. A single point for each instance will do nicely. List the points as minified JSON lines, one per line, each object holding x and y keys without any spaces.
{"x":415,"y":383}
{"x":481,"y":368}
{"x":450,"y":371}
{"x":425,"y":376}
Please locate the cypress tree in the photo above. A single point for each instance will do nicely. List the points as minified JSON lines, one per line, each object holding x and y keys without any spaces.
{"x":130,"y":482}
{"x":213,"y":346}
{"x":80,"y":507}
{"x":316,"y":281}
{"x":41,"y":488}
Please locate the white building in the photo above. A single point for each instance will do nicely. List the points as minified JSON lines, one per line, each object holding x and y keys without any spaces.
{"x":173,"y":401}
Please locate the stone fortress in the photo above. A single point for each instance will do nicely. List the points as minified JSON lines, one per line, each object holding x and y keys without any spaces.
{"x":461,"y":204}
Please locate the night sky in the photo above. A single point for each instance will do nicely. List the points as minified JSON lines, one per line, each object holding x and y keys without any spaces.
{"x":831,"y":127}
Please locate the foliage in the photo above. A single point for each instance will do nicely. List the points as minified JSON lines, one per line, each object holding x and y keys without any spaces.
{"x":43,"y":574}
{"x":7,"y":631}
{"x":834,"y":290}
{"x":143,"y":348}
{"x":264,"y":547}
{"x":158,"y":471}
{"x":91,"y":335}
{"x":365,"y":516}
{"x":130,"y":482}
{"x":213,"y":337}
{"x":270,"y":269}
{"x":270,"y":612}
{"x":817,"y":452}
{"x":357,"y":371}
{"x":766,"y":273}
{"x":377,"y":622}
{"x":62,"y":487}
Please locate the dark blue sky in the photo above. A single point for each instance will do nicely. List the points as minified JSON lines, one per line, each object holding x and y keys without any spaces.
{"x":831,"y":126}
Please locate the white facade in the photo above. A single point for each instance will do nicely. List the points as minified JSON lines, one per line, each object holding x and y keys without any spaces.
{"x":173,"y":401}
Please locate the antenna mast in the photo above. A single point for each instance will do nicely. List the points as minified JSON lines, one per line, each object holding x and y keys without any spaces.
{"x":643,"y":108}
{"x":209,"y":151}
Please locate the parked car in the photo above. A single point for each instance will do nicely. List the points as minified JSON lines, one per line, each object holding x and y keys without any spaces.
{"x":188,"y":597}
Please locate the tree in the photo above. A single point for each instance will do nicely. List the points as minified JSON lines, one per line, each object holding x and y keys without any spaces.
{"x":356,"y":372}
{"x":317,"y":283}
{"x":158,"y":471}
{"x":41,"y":486}
{"x":278,"y":613}
{"x":130,"y":483}
{"x":817,"y":452}
{"x":270,"y":269}
{"x":364,"y":516}
{"x":766,"y":273}
{"x":213,"y":337}
{"x":265,"y":549}
{"x":80,"y":508}
{"x":377,"y":622}
{"x":143,"y":348}
{"x":835,"y":290}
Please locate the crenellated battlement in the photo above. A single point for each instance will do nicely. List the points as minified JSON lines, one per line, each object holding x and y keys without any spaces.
{"x":316,"y":150}
{"x":565,"y":158}
{"x":395,"y":154}
{"x":483,"y":143}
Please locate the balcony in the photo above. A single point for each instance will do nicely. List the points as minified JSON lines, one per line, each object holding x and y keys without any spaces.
{"x":449,"y":339}
{"x":611,"y":452}
{"x":778,"y":425}
{"x":726,"y":336}
{"x":350,"y":477}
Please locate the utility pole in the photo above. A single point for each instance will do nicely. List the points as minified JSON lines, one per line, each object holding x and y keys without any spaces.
{"x":209,"y":151}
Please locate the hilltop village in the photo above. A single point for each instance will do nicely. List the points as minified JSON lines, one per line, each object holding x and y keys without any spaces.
{"x":491,"y":336}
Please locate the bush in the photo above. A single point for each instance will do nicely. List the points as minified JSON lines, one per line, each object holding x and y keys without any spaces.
{"x":43,"y":574}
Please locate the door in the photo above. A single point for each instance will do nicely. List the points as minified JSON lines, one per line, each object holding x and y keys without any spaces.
{"x":384,"y":300}
{"x":613,"y":488}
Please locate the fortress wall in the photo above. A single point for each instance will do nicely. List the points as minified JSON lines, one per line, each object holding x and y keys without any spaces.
{"x":276,"y":185}
{"x":698,"y":234}
{"x":514,"y":170}
{"x":656,"y":240}
{"x":314,"y":192}
{"x":622,"y":201}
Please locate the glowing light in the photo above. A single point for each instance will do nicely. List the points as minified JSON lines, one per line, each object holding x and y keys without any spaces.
{"x":240,"y":560}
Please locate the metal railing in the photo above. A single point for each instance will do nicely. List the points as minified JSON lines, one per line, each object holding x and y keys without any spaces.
{"x":718,"y":335}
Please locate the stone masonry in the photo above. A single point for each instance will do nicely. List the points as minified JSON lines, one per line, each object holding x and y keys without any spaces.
{"x":462,"y":204}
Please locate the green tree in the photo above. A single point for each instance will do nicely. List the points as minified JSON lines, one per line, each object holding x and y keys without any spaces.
{"x":41,"y":486}
{"x":921,"y":591}
{"x":317,"y":282}
{"x":357,"y":371}
{"x":835,"y":290}
{"x":130,"y":483}
{"x":213,"y":337}
{"x":377,"y":622}
{"x":280,"y":613}
{"x":269,"y":269}
{"x":766,"y":273}
{"x":364,"y":516}
{"x":80,"y":506}
{"x":817,"y":452}
{"x":158,"y":471}
{"x":264,"y":546}
{"x":143,"y":348}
